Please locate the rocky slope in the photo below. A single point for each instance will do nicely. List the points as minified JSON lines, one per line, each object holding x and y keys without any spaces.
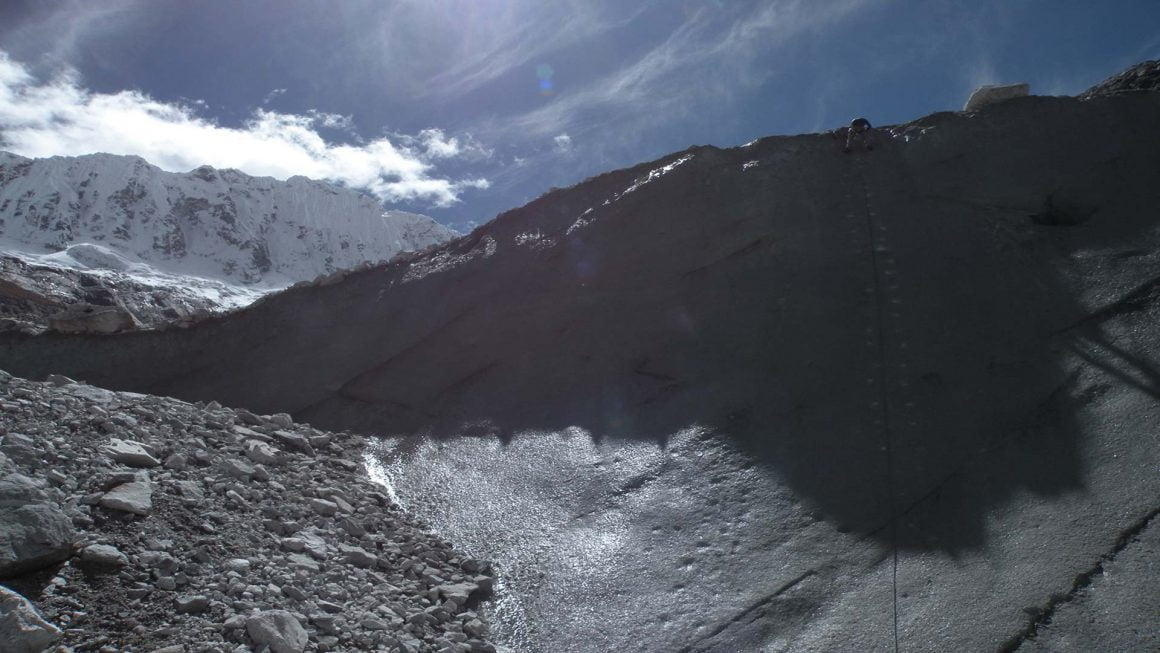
{"x":139,"y":523}
{"x":1144,"y":76}
{"x":36,"y":297}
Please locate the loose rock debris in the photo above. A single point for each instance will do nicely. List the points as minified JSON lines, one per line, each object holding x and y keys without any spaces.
{"x":141,"y":523}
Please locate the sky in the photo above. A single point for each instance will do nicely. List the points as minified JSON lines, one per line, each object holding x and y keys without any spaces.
{"x":463,"y":109}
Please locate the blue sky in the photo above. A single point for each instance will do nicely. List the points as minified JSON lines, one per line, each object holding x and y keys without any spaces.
{"x":462,"y":109}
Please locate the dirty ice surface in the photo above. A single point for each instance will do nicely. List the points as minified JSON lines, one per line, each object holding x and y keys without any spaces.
{"x":615,"y":545}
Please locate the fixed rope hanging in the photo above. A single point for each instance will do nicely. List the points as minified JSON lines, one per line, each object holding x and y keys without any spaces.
{"x":884,"y":405}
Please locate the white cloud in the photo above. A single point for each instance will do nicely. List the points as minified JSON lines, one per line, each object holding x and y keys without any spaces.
{"x":563,"y":143}
{"x":273,"y":94}
{"x":433,"y":144}
{"x":516,"y":37}
{"x":60,"y":117}
{"x":703,"y":63}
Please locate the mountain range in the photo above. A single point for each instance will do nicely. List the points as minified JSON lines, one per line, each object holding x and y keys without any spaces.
{"x":196,"y":242}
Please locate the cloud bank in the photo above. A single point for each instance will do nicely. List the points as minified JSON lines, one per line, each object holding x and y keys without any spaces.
{"x":60,"y":117}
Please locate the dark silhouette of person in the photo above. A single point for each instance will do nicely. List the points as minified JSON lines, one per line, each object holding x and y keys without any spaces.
{"x":860,"y":128}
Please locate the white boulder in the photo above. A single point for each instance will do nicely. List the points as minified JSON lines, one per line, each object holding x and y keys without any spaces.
{"x":985,"y":95}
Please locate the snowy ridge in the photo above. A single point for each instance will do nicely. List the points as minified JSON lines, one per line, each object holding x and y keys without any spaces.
{"x":217,"y":224}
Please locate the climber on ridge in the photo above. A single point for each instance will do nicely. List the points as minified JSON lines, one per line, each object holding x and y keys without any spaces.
{"x":859,"y":127}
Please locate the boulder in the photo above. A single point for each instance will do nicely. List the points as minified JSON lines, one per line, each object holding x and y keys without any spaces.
{"x":260,"y":452}
{"x":277,"y":629}
{"x":22,"y":629}
{"x":294,"y":441}
{"x":985,"y":95}
{"x":104,"y":554}
{"x":33,"y":533}
{"x":458,"y":593}
{"x":135,"y":497}
{"x":323,"y":507}
{"x":191,"y":604}
{"x":128,"y":452}
{"x":19,"y":490}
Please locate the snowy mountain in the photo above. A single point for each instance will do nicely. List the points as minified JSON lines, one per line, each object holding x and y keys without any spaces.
{"x":219,"y":224}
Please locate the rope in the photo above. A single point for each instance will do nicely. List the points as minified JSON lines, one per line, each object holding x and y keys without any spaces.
{"x":882,"y":399}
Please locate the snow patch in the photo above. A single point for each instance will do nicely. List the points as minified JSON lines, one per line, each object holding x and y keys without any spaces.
{"x":581,"y":222}
{"x":535,"y":240}
{"x":653,"y":175}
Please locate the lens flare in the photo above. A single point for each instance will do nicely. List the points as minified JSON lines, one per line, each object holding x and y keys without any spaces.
{"x":544,"y":72}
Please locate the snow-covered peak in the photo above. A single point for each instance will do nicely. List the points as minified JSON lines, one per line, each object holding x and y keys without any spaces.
{"x":221,"y":224}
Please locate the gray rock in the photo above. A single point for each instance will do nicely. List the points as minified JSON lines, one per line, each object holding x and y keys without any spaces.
{"x":324,"y":623}
{"x":191,"y":604}
{"x":316,"y":547}
{"x":260,"y":452}
{"x":486,"y":583}
{"x":250,"y":434}
{"x":104,"y":554}
{"x":33,"y":535}
{"x":114,"y":479}
{"x":131,"y":453}
{"x":323,"y":507}
{"x":22,"y":629}
{"x":475,"y":628}
{"x":282,"y":420}
{"x":261,"y":474}
{"x":294,"y":441}
{"x":293,"y":544}
{"x":190,"y":490}
{"x":248,"y":417}
{"x":237,"y":468}
{"x":177,"y":462}
{"x":22,"y":454}
{"x":98,"y":395}
{"x":343,"y":506}
{"x":294,"y":592}
{"x":59,"y":380}
{"x":302,"y":562}
{"x":19,"y":490}
{"x":240,"y":565}
{"x":358,"y":557}
{"x":135,"y":497}
{"x":277,"y":629}
{"x":457,"y":592}
{"x":374,"y":623}
{"x":352,"y":527}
